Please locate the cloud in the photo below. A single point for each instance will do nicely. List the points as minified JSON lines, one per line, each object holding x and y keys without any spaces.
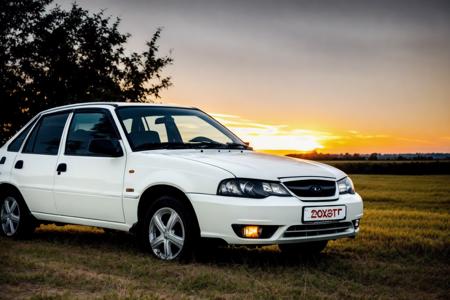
{"x":414,"y":140}
{"x":275,"y":136}
{"x":281,"y":137}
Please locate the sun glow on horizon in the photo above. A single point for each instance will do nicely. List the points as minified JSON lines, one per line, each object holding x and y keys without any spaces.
{"x":285,"y":138}
{"x":273,"y":137}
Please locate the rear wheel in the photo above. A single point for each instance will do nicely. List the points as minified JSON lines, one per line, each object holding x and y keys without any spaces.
{"x":169,"y":230}
{"x":308,"y":248}
{"x":16,"y":220}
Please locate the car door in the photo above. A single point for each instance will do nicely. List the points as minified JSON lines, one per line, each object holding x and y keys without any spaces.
{"x":35,"y":166}
{"x":9,"y":153}
{"x":89,"y":185}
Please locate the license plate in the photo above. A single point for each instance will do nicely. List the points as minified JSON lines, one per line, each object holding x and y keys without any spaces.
{"x":324,"y":213}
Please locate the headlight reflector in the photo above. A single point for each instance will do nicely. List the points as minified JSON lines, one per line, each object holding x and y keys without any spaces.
{"x":345,"y":186}
{"x":251,"y":188}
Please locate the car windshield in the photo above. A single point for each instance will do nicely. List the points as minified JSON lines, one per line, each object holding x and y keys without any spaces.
{"x":150,"y":127}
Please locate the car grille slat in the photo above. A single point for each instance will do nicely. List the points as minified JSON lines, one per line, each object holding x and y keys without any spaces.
{"x":312,"y":188}
{"x":317,"y":229}
{"x":313,"y":230}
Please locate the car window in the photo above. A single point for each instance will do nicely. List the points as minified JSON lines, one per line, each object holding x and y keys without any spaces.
{"x":127,"y":123}
{"x":146,"y":124}
{"x":150,"y":128}
{"x":46,"y":136}
{"x":192,"y":128}
{"x":85,"y":127}
{"x":151,"y":125}
{"x":15,"y":145}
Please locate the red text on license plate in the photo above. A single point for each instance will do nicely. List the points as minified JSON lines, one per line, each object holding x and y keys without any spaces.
{"x":324,"y":213}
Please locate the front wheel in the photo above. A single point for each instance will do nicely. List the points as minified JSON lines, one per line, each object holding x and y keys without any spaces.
{"x":169,"y":229}
{"x":308,"y":248}
{"x":16,"y":221}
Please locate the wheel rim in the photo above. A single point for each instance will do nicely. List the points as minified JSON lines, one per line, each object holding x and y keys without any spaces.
{"x":10,"y":216}
{"x":166,"y":233}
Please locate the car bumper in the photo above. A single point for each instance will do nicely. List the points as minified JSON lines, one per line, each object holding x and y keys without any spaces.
{"x":216,"y":214}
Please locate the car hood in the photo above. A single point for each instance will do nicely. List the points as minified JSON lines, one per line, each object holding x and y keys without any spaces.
{"x":250,"y":164}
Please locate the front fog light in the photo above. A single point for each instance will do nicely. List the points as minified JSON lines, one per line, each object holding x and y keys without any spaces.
{"x":254,"y":231}
{"x":251,"y":232}
{"x":356,"y":223}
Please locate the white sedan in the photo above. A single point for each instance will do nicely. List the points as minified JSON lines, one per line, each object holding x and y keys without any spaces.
{"x":172,"y":176}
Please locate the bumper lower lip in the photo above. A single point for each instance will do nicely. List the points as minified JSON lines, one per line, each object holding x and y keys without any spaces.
{"x":216,"y":214}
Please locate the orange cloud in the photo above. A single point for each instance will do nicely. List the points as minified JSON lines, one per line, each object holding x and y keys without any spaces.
{"x":284,"y":137}
{"x":274,"y":137}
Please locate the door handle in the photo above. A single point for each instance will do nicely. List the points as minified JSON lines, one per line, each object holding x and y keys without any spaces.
{"x":19,"y":164}
{"x":61,"y":168}
{"x":2,"y":161}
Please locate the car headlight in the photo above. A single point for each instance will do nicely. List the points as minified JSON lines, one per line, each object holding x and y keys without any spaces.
{"x":250,"y":188}
{"x":345,"y":186}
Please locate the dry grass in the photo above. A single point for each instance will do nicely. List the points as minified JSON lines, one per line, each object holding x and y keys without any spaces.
{"x":402,"y":253}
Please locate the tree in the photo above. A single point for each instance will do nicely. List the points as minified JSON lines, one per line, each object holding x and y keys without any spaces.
{"x":373,"y":156}
{"x":50,"y":57}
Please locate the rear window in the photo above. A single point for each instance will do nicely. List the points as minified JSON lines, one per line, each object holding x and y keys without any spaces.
{"x":18,"y":141}
{"x":46,"y":136}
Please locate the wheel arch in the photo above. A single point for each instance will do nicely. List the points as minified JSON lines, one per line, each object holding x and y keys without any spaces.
{"x":9,"y":187}
{"x":5,"y":187}
{"x":152,"y":193}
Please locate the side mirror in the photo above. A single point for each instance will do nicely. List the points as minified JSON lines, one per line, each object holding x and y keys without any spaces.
{"x":106,"y":147}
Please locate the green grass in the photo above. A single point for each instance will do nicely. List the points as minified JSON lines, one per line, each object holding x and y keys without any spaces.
{"x":395,"y":167}
{"x":402,"y":252}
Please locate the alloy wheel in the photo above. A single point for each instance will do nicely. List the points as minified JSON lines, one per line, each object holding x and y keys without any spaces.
{"x":10,"y":216}
{"x":166,"y":233}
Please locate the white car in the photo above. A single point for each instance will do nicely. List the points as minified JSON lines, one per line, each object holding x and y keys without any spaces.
{"x":171,"y":175}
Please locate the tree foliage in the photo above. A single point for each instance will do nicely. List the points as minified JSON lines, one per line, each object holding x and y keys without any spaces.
{"x":50,"y":57}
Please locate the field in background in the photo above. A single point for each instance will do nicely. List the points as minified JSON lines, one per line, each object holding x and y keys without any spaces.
{"x":402,"y":252}
{"x":378,"y":167}
{"x":396,"y":167}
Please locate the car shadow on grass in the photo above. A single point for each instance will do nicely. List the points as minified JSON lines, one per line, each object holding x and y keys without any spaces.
{"x":113,"y":241}
{"x":261,"y":257}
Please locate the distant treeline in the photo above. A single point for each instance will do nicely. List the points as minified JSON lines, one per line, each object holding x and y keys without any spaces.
{"x":374,"y":156}
{"x":393,"y":167}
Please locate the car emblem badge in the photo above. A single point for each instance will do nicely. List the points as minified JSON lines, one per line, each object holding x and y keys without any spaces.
{"x":316,"y":188}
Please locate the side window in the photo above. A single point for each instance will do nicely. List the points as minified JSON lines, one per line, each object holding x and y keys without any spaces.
{"x":85,"y":127}
{"x":18,"y":141}
{"x":46,"y":136}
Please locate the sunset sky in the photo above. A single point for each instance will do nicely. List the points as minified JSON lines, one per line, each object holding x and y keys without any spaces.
{"x":336,"y":76}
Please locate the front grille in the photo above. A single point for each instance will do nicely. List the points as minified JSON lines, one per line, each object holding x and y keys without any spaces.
{"x":317,"y":229}
{"x":312,"y":187}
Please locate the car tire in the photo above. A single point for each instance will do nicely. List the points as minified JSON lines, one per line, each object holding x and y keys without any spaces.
{"x":303,"y":249}
{"x":169,"y":230}
{"x":16,"y":219}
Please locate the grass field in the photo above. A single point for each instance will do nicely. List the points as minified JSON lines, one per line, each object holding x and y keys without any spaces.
{"x":402,"y":252}
{"x":394,"y":167}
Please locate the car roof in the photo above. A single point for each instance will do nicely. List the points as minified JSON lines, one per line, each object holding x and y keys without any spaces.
{"x":114,"y":104}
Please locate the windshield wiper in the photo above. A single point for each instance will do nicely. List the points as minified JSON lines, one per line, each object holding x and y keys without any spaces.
{"x":154,"y":146}
{"x":191,"y":145}
{"x":237,"y":146}
{"x":217,"y":145}
{"x":206,"y":145}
